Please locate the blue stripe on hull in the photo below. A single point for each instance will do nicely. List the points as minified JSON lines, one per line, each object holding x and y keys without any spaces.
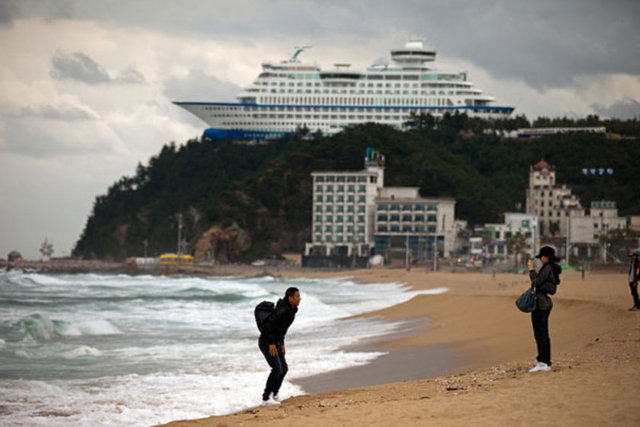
{"x":357,"y":107}
{"x":239,"y":134}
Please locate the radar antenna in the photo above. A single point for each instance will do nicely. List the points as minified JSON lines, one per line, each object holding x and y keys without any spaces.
{"x":298,"y":51}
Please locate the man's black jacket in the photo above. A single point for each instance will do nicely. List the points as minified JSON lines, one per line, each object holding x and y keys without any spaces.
{"x":278,"y":322}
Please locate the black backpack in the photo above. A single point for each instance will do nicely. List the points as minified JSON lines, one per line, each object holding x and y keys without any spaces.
{"x":262,"y":312}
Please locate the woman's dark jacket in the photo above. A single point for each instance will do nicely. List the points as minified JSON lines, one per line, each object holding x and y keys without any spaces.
{"x":546,"y":282}
{"x":278,"y":322}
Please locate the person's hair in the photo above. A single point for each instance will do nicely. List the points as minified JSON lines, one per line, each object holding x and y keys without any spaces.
{"x":290,"y":292}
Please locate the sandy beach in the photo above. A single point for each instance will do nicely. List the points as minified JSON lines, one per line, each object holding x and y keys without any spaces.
{"x":595,"y":349}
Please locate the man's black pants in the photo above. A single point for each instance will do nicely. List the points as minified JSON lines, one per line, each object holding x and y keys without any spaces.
{"x":279,"y":369}
{"x":540,"y":322}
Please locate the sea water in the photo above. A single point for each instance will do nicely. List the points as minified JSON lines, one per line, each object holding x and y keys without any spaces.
{"x":91,"y":349}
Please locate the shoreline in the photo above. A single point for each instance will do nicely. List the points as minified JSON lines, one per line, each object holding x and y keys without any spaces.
{"x":595,"y":349}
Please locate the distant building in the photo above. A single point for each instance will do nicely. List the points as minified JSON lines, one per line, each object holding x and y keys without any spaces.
{"x":496,"y":236}
{"x":354,"y":215}
{"x":585,"y":228}
{"x":551,"y":202}
{"x":533,"y":132}
{"x":406,"y":220}
{"x":344,"y":211}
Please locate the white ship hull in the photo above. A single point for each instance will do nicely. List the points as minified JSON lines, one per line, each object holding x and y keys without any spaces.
{"x":289,"y":96}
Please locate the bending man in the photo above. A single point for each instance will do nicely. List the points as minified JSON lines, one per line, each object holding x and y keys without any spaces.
{"x":271,"y":343}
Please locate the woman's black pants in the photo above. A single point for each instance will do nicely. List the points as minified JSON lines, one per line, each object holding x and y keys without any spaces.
{"x":540,"y":322}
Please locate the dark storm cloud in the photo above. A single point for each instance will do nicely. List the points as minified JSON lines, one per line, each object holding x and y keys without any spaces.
{"x":79,"y":67}
{"x":546,"y":43}
{"x":625,"y":109}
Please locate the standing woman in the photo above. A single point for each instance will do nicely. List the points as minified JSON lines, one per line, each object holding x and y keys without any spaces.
{"x":545,"y":281}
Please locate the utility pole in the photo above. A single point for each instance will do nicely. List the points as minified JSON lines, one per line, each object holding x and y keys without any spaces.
{"x":179,"y":217}
{"x":406,"y":253}
{"x":568,"y":235}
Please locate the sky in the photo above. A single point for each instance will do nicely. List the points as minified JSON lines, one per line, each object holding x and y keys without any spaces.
{"x":86,"y":86}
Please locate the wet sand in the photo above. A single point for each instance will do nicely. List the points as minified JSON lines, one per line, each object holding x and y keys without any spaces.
{"x":595,"y":349}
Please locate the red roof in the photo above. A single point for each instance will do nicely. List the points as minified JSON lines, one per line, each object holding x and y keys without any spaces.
{"x":541,"y":165}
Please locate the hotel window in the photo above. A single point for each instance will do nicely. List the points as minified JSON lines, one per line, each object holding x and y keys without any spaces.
{"x":360,"y":229}
{"x":340,"y":218}
{"x":328,"y":218}
{"x":382,"y":207}
{"x":329,"y":239}
{"x":361,"y":199}
{"x":339,"y":239}
{"x":382,"y":217}
{"x":395,"y":207}
{"x":329,"y":198}
{"x":432,"y":207}
{"x":406,"y":228}
{"x":340,"y":199}
{"x":360,"y":218}
{"x":339,"y":229}
{"x":361,"y":209}
{"x":329,"y":187}
{"x":328,"y":229}
{"x":341,"y":188}
{"x":318,"y":198}
{"x":431,"y":229}
{"x":318,"y":208}
{"x":349,"y":228}
{"x":419,"y":218}
{"x":351,"y":199}
{"x":406,"y":218}
{"x":395,"y":228}
{"x":319,"y":188}
{"x":406,"y":207}
{"x":382,"y":228}
{"x":329,"y":208}
{"x":362,"y":188}
{"x":350,"y":209}
{"x":340,"y":208}
{"x":431,"y":218}
{"x":318,"y":229}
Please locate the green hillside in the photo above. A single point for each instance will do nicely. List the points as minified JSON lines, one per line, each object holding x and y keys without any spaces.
{"x":250,"y":201}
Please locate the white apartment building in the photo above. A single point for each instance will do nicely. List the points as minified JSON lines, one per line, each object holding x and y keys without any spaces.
{"x":353,"y":213}
{"x":514,"y":223}
{"x":421,"y":223}
{"x":585,"y":229}
{"x":344,"y":211}
{"x":551,"y":202}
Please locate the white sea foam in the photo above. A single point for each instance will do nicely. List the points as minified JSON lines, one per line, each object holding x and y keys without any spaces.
{"x":82,"y":351}
{"x":90,"y":327}
{"x":140,"y":350}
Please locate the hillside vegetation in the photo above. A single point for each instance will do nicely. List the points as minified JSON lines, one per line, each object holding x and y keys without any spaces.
{"x":241,"y":202}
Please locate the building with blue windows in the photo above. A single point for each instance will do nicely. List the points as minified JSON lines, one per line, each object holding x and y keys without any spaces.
{"x":354,"y":215}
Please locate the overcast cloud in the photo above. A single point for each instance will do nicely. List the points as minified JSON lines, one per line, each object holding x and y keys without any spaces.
{"x":86,"y":85}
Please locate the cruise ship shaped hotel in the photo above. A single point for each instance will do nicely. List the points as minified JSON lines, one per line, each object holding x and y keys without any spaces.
{"x":289,"y":95}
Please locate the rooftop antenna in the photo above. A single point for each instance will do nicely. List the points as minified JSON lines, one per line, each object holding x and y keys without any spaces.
{"x":298,"y":51}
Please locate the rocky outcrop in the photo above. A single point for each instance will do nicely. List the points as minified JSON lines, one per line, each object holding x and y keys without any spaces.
{"x":222,"y":245}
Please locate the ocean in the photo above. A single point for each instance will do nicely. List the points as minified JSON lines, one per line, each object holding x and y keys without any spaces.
{"x":89,"y":349}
